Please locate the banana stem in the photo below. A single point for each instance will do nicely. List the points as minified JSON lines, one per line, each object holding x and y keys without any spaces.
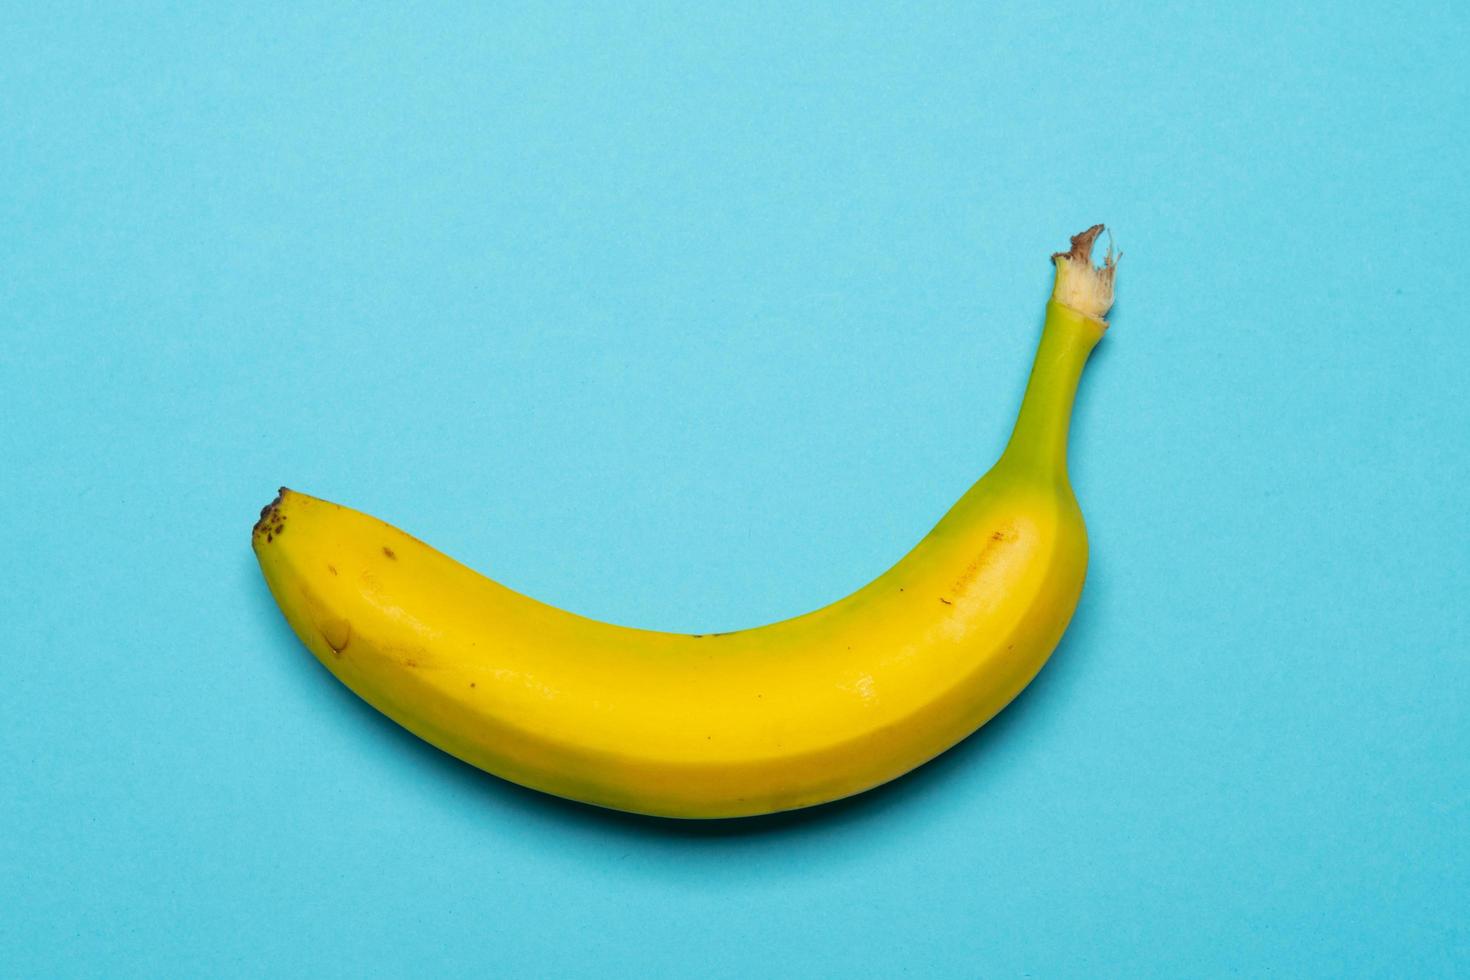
{"x":1074,"y":324}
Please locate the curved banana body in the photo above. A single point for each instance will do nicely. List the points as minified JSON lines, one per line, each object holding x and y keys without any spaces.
{"x":787,"y":715}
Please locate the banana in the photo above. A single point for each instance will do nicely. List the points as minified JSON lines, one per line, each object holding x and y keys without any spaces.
{"x":787,"y":715}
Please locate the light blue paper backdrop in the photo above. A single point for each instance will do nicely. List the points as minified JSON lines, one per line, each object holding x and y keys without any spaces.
{"x":696,"y":318}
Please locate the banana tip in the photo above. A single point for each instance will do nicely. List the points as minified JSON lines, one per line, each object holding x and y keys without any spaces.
{"x":272,"y":521}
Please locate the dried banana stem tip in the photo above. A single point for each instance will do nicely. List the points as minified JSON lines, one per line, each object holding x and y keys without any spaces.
{"x":1080,"y":285}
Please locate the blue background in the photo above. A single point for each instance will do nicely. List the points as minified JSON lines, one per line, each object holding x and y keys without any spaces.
{"x":694,"y":320}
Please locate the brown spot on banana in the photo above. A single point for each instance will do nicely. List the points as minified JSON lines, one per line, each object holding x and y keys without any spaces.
{"x":985,"y":557}
{"x":272,"y":522}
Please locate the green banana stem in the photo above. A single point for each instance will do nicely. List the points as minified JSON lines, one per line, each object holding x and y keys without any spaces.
{"x":1074,"y":324}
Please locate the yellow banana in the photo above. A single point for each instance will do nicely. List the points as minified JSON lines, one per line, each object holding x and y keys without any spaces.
{"x":786,"y":715}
